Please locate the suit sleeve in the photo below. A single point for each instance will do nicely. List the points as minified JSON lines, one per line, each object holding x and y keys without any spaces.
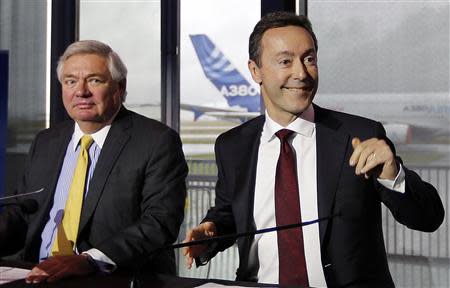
{"x":13,"y":222}
{"x":13,"y":229}
{"x":221,"y":214}
{"x":420,"y":207}
{"x":162,"y":206}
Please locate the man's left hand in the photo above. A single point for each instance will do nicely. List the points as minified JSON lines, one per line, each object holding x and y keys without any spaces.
{"x":59,"y":267}
{"x":373,"y":157}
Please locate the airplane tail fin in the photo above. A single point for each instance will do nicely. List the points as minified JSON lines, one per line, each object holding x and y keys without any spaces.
{"x":224,"y":75}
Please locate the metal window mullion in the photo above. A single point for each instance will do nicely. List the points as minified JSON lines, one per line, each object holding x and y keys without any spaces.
{"x":170,"y":63}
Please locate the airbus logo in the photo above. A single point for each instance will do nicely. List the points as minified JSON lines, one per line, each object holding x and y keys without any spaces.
{"x":238,"y":90}
{"x":445,"y":109}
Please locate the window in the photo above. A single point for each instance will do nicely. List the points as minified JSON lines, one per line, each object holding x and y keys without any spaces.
{"x":132,"y":29}
{"x":23,"y":33}
{"x":389,"y":61}
{"x":214,"y":44}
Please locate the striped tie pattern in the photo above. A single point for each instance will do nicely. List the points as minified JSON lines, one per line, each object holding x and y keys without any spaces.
{"x":66,"y":236}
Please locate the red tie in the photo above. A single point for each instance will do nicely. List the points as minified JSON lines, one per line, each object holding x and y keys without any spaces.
{"x":287,"y":211}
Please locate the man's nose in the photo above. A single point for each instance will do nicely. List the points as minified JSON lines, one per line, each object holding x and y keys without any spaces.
{"x":82,"y":89}
{"x":299,"y":71}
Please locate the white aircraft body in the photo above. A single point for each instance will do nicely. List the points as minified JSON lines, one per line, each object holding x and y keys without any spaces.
{"x":403,"y":115}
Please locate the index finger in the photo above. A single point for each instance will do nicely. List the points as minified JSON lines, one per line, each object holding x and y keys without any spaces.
{"x":355,"y":142}
{"x":188,"y":238}
{"x":355,"y":155}
{"x":36,"y":275}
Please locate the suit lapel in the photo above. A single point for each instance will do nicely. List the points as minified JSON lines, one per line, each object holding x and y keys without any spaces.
{"x":246,"y":158}
{"x":117,"y":137}
{"x":331,"y":151}
{"x":60,"y":146}
{"x":246,"y":172}
{"x":57,"y":146}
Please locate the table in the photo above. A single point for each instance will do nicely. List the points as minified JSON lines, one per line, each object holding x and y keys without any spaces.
{"x":123,"y":280}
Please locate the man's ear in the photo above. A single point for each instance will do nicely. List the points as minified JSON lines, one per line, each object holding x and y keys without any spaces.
{"x":255,"y":71}
{"x":123,"y":88}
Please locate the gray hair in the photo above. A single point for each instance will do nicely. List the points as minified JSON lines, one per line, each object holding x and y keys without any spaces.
{"x":116,"y":66}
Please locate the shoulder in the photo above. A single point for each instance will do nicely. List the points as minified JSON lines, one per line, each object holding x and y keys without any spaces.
{"x":64,"y":128}
{"x":142,"y":125}
{"x":241,"y":140}
{"x":249,"y":129}
{"x":340,"y":121}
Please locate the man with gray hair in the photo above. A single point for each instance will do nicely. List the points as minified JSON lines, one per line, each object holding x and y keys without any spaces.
{"x":112,"y":181}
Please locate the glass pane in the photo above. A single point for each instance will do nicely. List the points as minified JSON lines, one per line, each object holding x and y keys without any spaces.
{"x":215,"y":84}
{"x":132,"y":29}
{"x":23,"y":35}
{"x":389,"y":61}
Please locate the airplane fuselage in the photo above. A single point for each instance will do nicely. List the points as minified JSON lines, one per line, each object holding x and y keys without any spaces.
{"x":420,"y":110}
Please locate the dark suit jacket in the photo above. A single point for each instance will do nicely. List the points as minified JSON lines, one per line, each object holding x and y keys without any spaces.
{"x":135,"y":200}
{"x":352,"y":243}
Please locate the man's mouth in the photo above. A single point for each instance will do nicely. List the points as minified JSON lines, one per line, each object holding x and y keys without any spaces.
{"x":298,"y":88}
{"x":84,"y":105}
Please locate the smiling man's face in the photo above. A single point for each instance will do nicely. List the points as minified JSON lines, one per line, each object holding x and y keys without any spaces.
{"x":288,"y":72}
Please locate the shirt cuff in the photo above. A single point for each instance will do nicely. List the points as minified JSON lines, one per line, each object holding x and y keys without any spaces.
{"x":103,"y":262}
{"x":398,"y":184}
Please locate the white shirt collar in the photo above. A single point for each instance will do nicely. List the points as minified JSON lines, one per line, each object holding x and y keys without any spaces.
{"x":99,"y":136}
{"x":303,"y":125}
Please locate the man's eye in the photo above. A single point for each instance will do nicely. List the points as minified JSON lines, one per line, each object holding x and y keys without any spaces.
{"x":285,"y":61}
{"x":69,"y":82}
{"x":310,"y":60}
{"x":95,"y":81}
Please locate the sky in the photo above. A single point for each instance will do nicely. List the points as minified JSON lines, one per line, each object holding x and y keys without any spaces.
{"x":382,"y":46}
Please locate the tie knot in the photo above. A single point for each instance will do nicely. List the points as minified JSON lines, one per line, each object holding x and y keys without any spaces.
{"x":284,"y":134}
{"x":86,"y":141}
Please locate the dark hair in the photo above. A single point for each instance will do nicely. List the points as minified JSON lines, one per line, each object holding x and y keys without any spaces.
{"x":275,"y":20}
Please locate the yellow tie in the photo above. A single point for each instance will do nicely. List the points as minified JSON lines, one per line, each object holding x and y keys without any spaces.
{"x":66,"y":237}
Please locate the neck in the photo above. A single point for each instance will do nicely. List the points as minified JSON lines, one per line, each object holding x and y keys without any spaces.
{"x":90,"y":127}
{"x":283,"y":120}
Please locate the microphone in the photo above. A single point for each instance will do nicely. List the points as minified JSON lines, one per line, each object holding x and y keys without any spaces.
{"x":28,"y":206}
{"x":249,"y":233}
{"x":22,"y":195}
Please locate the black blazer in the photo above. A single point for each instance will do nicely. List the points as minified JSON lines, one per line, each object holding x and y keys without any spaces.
{"x":135,"y":200}
{"x":352,"y":247}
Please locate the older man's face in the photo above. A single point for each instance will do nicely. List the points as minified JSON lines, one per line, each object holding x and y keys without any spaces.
{"x":90,"y":95}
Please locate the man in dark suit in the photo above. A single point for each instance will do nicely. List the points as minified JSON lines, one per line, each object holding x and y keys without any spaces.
{"x":341,"y":168}
{"x":134,"y":188}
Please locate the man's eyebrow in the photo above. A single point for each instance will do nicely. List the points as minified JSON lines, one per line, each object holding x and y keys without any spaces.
{"x":87,"y":76}
{"x":69,"y":76}
{"x":284,"y":53}
{"x":291,"y":54}
{"x":309,"y":51}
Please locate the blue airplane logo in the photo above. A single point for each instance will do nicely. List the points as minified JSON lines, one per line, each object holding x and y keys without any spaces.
{"x":237,"y":91}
